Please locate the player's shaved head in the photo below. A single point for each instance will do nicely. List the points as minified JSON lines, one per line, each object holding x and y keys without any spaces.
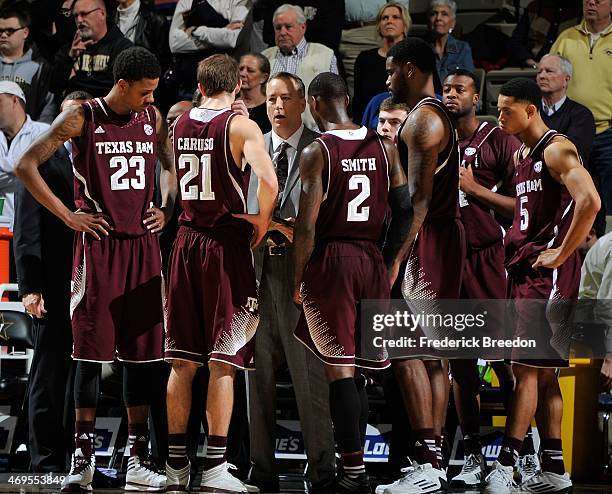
{"x":176,"y":110}
{"x":328,"y":86}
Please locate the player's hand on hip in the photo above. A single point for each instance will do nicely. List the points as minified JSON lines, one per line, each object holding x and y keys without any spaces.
{"x":550,"y":258}
{"x":260,"y":226}
{"x":297,"y":297}
{"x":94,"y":224}
{"x":34,"y":304}
{"x":393,"y":273}
{"x":156,"y":219}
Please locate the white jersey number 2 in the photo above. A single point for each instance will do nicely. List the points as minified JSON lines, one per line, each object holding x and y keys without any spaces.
{"x":193,"y":192}
{"x":355,"y":212}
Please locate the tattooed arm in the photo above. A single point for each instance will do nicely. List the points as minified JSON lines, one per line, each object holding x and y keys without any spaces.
{"x":157,"y":218}
{"x":424,"y":135}
{"x":311,"y":168}
{"x":67,"y":125}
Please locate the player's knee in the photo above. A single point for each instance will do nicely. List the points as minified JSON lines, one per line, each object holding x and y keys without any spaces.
{"x":184,"y":368}
{"x":219,"y":369}
{"x":336,"y":372}
{"x":524,"y":374}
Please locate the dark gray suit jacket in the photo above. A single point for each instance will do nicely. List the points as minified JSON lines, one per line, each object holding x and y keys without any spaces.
{"x":290,"y":201}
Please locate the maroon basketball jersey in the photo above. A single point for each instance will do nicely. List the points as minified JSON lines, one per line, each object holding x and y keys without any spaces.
{"x":355,"y":185}
{"x":543,"y":210}
{"x":444,"y":202}
{"x":211,"y":186}
{"x":490,"y":153}
{"x":114,"y":165}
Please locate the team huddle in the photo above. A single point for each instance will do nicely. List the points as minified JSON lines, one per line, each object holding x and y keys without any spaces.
{"x":357,"y":188}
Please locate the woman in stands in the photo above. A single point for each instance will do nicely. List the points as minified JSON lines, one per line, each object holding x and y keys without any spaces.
{"x":392,"y":23}
{"x":254,"y":73}
{"x":451,"y":53}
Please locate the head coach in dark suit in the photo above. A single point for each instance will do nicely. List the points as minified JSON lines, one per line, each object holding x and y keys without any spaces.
{"x":275,"y":344}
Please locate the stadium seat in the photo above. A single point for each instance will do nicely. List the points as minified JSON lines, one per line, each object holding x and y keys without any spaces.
{"x":496,"y":79}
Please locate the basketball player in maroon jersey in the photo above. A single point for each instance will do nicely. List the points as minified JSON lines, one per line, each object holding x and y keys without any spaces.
{"x":429,"y":154}
{"x":485,"y":198}
{"x":212,"y":294}
{"x":556,"y":204}
{"x":116,"y":306}
{"x":350,"y":176}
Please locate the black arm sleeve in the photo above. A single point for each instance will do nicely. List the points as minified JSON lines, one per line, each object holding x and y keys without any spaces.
{"x":401,"y":219}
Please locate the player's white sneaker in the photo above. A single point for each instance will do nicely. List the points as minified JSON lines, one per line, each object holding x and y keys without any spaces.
{"x":500,"y":480}
{"x":420,"y":480}
{"x":380,"y":489}
{"x":250,"y":488}
{"x":142,"y":475}
{"x":527,"y":467}
{"x":545,"y":482}
{"x":81,"y":473}
{"x":218,"y":479}
{"x":473,"y":472}
{"x":177,"y":481}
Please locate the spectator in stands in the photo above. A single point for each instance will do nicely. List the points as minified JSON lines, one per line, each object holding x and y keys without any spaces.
{"x":18,"y":131}
{"x":596,"y":284}
{"x":201,"y":28}
{"x":390,"y":117}
{"x":321,"y":15}
{"x":294,"y":54}
{"x":450,"y":53}
{"x":254,"y":73}
{"x":538,"y":28}
{"x":144,"y":27}
{"x":43,"y":254}
{"x":558,"y":111}
{"x":17,"y":65}
{"x":392,"y":24}
{"x":359,"y":32}
{"x":588,"y":46}
{"x":87,"y":64}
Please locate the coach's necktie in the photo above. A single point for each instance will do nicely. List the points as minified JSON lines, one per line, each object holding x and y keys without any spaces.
{"x":281,"y":164}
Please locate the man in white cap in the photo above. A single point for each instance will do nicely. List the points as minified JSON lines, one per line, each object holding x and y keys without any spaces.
{"x":18,"y":132}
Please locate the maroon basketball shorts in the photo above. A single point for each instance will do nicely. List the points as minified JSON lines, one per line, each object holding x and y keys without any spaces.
{"x":116,"y":304}
{"x":544,"y":301}
{"x":484,"y":275}
{"x":433,"y":271}
{"x":337,"y":277}
{"x":212,"y":299}
{"x":484,"y":278}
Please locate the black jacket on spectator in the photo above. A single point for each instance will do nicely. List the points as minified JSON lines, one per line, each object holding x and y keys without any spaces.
{"x":576,"y":122}
{"x":152,"y":34}
{"x":94,"y":67}
{"x":43,"y":253}
{"x":42,"y":242}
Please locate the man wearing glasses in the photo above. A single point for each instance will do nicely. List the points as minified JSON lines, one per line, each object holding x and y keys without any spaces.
{"x":18,"y":65}
{"x":87,"y":64}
